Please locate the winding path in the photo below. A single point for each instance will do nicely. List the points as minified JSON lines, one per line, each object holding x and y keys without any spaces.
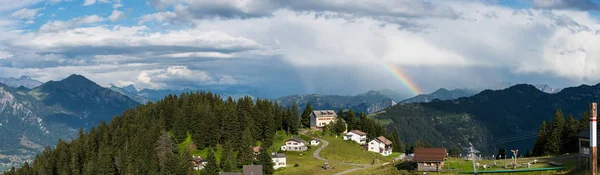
{"x":359,"y":166}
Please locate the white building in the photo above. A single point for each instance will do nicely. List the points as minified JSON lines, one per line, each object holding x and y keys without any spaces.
{"x":294,"y":144}
{"x":357,"y":136}
{"x":314,"y":142}
{"x":318,"y":119}
{"x":381,"y":145}
{"x":279,"y":160}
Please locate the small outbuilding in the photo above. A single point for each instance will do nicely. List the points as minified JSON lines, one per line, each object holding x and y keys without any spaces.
{"x":430,"y":159}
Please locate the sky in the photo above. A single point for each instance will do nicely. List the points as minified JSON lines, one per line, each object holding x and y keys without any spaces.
{"x":286,"y":47}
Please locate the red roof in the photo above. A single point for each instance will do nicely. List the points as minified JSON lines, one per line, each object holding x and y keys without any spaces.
{"x":384,"y":140}
{"x":430,"y":154}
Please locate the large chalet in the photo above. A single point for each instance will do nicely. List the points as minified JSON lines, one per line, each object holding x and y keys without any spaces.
{"x":320,"y":118}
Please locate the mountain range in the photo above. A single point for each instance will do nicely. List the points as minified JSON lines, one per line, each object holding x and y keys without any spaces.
{"x":31,"y":119}
{"x":509,"y":117}
{"x":369,"y":102}
{"x":445,"y":94}
{"x":145,"y":95}
{"x":24,"y":81}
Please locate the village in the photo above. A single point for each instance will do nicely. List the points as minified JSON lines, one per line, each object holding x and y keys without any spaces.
{"x":429,"y":159}
{"x":353,"y":152}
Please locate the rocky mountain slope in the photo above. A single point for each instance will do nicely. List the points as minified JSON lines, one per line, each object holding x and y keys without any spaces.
{"x":33,"y":119}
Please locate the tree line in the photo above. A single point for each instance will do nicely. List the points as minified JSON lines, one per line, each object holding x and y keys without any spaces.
{"x":559,"y":136}
{"x":143,"y":140}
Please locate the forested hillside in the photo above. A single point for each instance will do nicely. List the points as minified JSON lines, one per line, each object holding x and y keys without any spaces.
{"x":490,"y":119}
{"x":142,"y":140}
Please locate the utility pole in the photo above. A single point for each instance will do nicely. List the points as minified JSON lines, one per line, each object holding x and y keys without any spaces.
{"x":472,"y":151}
{"x":593,"y":137}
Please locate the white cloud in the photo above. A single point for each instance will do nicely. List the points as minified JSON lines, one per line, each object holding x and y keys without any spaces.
{"x":181,"y":75}
{"x":55,"y":26}
{"x":29,"y":22}
{"x":4,"y":55}
{"x":8,"y":5}
{"x":160,"y":17}
{"x":25,"y":13}
{"x":92,"y":2}
{"x":200,"y":54}
{"x":116,"y":15}
{"x":117,"y":5}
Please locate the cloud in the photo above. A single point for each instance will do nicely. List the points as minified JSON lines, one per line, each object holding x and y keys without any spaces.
{"x":232,"y":9}
{"x":4,"y":55}
{"x":566,"y":4}
{"x":56,"y":26}
{"x":180,"y":77}
{"x":92,"y":2}
{"x":8,"y":5}
{"x":25,"y":13}
{"x":116,"y":15}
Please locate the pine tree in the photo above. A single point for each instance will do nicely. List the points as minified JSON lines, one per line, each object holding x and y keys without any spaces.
{"x":264,"y":159}
{"x":584,"y":123}
{"x":501,"y":152}
{"x":454,"y":151}
{"x":555,"y":140}
{"x":570,"y":135}
{"x":539,"y":147}
{"x":294,"y":119}
{"x":306,"y":115}
{"x":185,"y":162}
{"x":212,"y":166}
{"x":245,"y":153}
{"x":397,"y":145}
{"x":228,"y":161}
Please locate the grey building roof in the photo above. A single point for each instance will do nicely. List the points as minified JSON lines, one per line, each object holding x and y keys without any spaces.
{"x":324,"y":113}
{"x":278,"y":155}
{"x":253,"y":170}
{"x":585,"y":134}
{"x":297,"y":139}
{"x":230,"y":173}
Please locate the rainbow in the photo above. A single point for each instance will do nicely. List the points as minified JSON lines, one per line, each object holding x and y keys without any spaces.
{"x":404,"y":79}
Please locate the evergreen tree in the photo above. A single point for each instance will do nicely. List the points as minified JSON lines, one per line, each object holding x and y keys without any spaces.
{"x":228,"y":161}
{"x":212,"y":166}
{"x":570,"y":135}
{"x":539,"y":147}
{"x":454,"y":151}
{"x":294,"y":119}
{"x":397,"y":145}
{"x":185,"y":162}
{"x":306,"y":115}
{"x":554,"y":143}
{"x":584,"y":123}
{"x":245,"y":152}
{"x":264,"y":159}
{"x":529,"y":153}
{"x":422,"y":144}
{"x":501,"y":152}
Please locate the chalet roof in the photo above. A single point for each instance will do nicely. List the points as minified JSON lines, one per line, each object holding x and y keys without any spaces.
{"x":324,"y":113}
{"x":384,"y":140}
{"x":430,"y":154}
{"x":585,"y":134}
{"x":256,"y":149}
{"x":358,"y":132}
{"x":297,"y":139}
{"x":253,"y":169}
{"x":278,"y":155}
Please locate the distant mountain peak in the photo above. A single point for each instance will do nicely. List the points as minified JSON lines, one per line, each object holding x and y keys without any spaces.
{"x":130,"y":88}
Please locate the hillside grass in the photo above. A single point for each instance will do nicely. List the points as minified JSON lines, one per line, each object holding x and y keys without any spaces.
{"x":350,"y":151}
{"x":307,"y":164}
{"x":195,"y":152}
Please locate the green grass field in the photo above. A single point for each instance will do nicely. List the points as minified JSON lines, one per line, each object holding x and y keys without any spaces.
{"x":349,"y":151}
{"x":195,"y":152}
{"x":307,"y":164}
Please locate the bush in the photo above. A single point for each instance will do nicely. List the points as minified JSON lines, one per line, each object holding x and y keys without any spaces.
{"x":407,"y":165}
{"x":296,"y":165}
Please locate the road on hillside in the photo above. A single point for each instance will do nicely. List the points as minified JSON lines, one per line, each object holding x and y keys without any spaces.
{"x":324,"y":144}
